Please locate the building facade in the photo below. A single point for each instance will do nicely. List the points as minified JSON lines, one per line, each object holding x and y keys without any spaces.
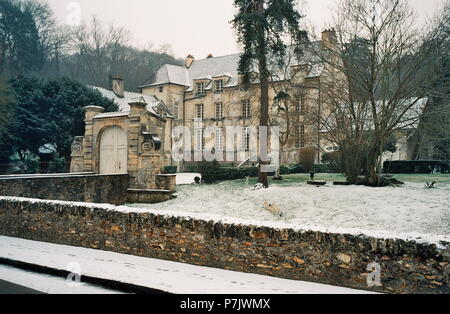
{"x":209,"y":94}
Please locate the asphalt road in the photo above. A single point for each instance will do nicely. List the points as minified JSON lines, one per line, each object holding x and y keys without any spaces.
{"x":10,"y":288}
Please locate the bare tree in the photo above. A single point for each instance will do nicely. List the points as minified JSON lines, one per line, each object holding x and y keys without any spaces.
{"x":377,"y":73}
{"x":95,"y":44}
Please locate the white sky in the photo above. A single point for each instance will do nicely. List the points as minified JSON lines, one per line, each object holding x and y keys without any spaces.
{"x":197,"y":27}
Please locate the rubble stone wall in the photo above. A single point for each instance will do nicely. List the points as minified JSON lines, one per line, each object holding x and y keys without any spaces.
{"x":330,"y":258}
{"x":92,"y":188}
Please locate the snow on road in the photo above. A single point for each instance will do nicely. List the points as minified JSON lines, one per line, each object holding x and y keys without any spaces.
{"x":156,"y":274}
{"x":48,"y":284}
{"x":407,"y":209}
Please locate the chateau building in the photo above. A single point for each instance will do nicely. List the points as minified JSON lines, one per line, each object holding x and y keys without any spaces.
{"x":194,"y":106}
{"x":210,"y":93}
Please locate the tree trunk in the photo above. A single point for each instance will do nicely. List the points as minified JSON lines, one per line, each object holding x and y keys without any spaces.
{"x":372,"y":165}
{"x":264,"y":87}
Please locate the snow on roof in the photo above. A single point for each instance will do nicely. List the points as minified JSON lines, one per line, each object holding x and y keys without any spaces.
{"x":227,"y":66}
{"x":112,"y":114}
{"x":171,"y":74}
{"x":123,"y":103}
{"x":47,"y":149}
{"x":412,"y":117}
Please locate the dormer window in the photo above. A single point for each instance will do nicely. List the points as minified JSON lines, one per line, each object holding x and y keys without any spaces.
{"x":200,"y":88}
{"x":218,"y":86}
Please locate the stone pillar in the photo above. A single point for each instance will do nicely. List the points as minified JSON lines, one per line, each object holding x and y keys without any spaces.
{"x":88,"y":143}
{"x":138,"y":108}
{"x":137,"y":112}
{"x":167,"y":182}
{"x":77,"y":156}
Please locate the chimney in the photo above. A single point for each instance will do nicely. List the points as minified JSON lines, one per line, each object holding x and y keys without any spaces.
{"x":209,"y":56}
{"x":329,"y":38}
{"x":118,"y":86}
{"x":138,"y":107}
{"x":189,"y":60}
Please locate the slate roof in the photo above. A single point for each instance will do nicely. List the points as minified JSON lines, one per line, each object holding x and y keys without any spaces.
{"x":227,"y":67}
{"x":152,"y":101}
{"x":413,"y":116}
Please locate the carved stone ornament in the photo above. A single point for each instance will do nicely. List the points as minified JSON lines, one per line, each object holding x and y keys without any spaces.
{"x":77,"y":146}
{"x":147,"y":147}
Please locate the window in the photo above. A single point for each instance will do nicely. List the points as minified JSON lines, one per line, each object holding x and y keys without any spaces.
{"x":301,"y":105}
{"x":246,"y":139}
{"x":200,"y":88}
{"x":199,"y":139}
{"x":300,"y":136}
{"x":219,"y":110}
{"x":199,"y":112}
{"x":246,"y":109}
{"x":298,"y":104}
{"x":161,"y":89}
{"x":219,"y":139}
{"x":218,"y":86}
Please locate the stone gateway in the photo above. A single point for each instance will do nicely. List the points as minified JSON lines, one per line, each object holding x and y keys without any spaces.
{"x":126,"y":142}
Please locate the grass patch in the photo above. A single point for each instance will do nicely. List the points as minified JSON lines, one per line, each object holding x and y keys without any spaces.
{"x":292,"y":179}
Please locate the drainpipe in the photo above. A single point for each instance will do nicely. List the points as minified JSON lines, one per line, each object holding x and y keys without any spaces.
{"x":318,"y":124}
{"x":184,"y":125}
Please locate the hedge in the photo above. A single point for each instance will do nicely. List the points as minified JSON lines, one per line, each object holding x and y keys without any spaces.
{"x":211,"y":175}
{"x":170,"y":169}
{"x":415,"y":166}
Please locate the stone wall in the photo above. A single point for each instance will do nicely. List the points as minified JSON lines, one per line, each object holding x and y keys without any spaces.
{"x":91,"y":188}
{"x":337,"y":259}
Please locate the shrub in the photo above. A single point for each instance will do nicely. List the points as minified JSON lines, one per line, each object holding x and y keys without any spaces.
{"x":170,"y":169}
{"x":57,"y":165}
{"x":333,"y":161}
{"x":307,"y":158}
{"x":323,"y":168}
{"x":415,"y":166}
{"x":291,"y":169}
{"x":212,"y":172}
{"x":31,"y":164}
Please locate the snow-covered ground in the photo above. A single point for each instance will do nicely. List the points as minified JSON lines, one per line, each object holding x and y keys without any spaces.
{"x":407,"y":209}
{"x":153,"y":273}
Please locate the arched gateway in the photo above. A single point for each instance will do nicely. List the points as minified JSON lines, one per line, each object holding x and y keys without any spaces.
{"x":127,"y":142}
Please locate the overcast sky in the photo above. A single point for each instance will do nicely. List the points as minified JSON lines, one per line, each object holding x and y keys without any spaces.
{"x":197,"y":27}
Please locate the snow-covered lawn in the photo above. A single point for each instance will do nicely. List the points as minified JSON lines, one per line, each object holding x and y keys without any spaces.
{"x":408,"y":209}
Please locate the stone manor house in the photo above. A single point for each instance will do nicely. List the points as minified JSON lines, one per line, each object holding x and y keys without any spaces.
{"x":209,"y":93}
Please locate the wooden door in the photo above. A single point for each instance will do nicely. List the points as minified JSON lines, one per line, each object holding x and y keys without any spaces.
{"x":113,"y":151}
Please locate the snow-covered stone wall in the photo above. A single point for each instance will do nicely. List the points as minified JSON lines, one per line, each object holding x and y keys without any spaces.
{"x":93,"y":188}
{"x":338,"y":259}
